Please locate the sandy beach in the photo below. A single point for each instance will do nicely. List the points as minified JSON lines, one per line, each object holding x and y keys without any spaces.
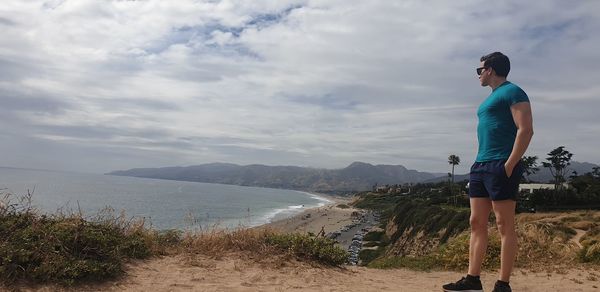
{"x":329,"y":217}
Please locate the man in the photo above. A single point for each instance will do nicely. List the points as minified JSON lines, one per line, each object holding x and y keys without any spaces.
{"x":504,"y":131}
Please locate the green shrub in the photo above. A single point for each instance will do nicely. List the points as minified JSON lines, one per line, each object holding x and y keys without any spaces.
{"x":454,"y":254}
{"x":429,"y":219}
{"x":65,"y":248}
{"x":384,"y":204}
{"x":590,"y":253}
{"x":368,"y":255}
{"x":374,"y":236}
{"x":371,"y":243}
{"x":169,"y":238}
{"x":320,"y":249}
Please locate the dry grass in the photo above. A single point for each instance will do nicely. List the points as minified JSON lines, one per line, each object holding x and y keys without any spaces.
{"x":263,"y":245}
{"x":540,"y":244}
{"x":217,"y":242}
{"x":546,"y":239}
{"x":455,"y":254}
{"x":68,"y":248}
{"x":546,"y":242}
{"x":591,"y":246}
{"x":529,"y":217}
{"x":583,"y":225}
{"x":543,"y":243}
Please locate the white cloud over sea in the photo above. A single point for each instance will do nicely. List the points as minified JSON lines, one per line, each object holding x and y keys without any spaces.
{"x":90,"y":85}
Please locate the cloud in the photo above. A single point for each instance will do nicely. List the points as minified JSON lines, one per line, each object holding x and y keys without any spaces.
{"x":15,"y":102}
{"x":7,"y":22}
{"x":107,"y":85}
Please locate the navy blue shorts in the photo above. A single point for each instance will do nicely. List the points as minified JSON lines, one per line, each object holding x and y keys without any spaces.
{"x":489,"y":180}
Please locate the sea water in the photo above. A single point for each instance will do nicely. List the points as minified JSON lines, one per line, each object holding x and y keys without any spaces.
{"x":164,"y":204}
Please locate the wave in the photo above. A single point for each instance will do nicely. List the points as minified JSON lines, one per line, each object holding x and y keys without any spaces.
{"x":290,"y":211}
{"x":278,"y":213}
{"x":281,"y":213}
{"x":323,"y":201}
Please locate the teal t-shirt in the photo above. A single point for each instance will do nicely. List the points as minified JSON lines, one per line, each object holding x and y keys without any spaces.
{"x":496,"y":130}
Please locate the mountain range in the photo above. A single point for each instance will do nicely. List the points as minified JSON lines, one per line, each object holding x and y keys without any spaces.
{"x":358,"y":176}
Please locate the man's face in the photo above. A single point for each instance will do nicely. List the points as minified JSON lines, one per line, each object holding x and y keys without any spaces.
{"x":485,"y":75}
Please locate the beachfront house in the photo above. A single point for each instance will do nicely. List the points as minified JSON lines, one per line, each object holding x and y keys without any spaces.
{"x":531,"y":187}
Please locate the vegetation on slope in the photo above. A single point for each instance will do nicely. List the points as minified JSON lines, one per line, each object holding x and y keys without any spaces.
{"x":69,"y":249}
{"x":412,"y":222}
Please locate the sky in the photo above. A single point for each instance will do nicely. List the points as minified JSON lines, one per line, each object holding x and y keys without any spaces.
{"x":95,"y":86}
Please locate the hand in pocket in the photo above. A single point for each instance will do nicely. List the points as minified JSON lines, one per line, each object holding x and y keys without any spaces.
{"x":507,"y":172}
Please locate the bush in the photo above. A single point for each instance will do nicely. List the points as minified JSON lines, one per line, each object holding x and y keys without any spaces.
{"x":264,"y":242}
{"x":454,"y":254}
{"x":368,"y":255}
{"x":169,"y":238}
{"x":374,"y":236}
{"x":551,"y":199}
{"x":66,"y":248}
{"x":429,"y":219}
{"x":372,"y":243}
{"x":383,"y":204}
{"x":590,"y":253}
{"x":320,"y":249}
{"x":544,"y":242}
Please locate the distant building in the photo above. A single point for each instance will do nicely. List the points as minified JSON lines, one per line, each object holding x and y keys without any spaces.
{"x":531,"y":187}
{"x":392,"y":189}
{"x":382,"y":189}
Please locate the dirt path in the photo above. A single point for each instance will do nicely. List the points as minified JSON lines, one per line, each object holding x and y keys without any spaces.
{"x":580,"y":233}
{"x":233,"y":274}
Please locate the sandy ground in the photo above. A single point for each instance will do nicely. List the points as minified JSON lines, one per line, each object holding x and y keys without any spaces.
{"x":238,"y":272}
{"x":329,"y":217}
{"x":233,"y":273}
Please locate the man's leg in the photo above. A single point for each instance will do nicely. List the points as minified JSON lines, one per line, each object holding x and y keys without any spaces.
{"x":480,"y":214}
{"x":505,"y":219}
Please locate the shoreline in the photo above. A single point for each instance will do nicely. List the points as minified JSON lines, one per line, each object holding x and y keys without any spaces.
{"x":328,"y":217}
{"x":324,"y":215}
{"x":325,"y":200}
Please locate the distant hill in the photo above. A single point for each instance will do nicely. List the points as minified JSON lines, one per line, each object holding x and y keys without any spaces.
{"x":358,"y":176}
{"x":542,"y":176}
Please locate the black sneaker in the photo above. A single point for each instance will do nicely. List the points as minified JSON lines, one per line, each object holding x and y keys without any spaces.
{"x":464,"y":285}
{"x":502,"y":287}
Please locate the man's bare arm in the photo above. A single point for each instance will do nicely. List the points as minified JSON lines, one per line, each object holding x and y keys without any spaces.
{"x":523,"y":119}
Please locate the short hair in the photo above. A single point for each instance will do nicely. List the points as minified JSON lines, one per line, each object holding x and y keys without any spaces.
{"x":497,"y":61}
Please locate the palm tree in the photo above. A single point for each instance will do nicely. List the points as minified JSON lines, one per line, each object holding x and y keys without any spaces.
{"x":453,"y":160}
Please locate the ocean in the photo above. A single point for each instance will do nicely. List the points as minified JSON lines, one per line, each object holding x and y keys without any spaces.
{"x":164,"y":204}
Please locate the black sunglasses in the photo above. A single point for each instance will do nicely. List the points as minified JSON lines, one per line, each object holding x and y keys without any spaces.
{"x":480,"y":69}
